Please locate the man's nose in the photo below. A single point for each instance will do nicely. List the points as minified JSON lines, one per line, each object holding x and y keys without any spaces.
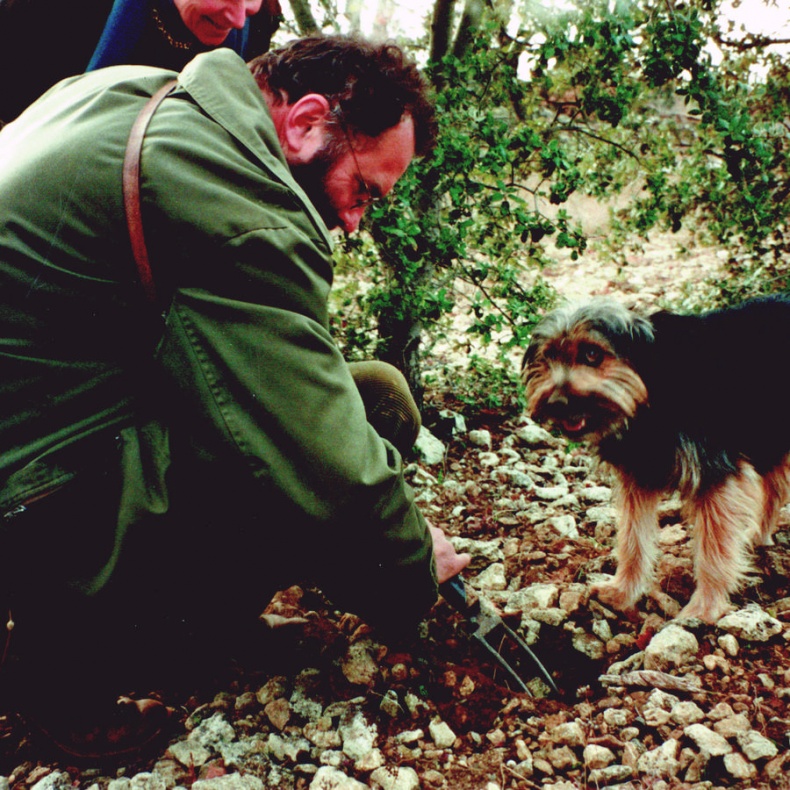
{"x":350,"y":218}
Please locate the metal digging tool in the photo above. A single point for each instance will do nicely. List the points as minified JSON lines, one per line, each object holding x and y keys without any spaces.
{"x":494,"y":635}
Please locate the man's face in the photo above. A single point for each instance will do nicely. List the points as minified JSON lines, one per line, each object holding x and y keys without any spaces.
{"x":341,"y":183}
{"x":211,"y":21}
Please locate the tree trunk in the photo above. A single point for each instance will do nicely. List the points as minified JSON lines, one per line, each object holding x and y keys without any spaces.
{"x":403,"y":337}
{"x":305,"y":21}
{"x":441,"y":29}
{"x":470,"y":22}
{"x":400,"y":328}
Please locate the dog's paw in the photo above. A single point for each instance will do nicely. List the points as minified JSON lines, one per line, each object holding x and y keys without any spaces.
{"x":614,"y":595}
{"x":708,"y":609}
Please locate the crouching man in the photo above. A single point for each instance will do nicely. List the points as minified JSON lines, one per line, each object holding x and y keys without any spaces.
{"x":177,"y":446}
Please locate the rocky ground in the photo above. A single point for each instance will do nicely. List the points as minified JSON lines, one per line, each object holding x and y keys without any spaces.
{"x":642,"y":700}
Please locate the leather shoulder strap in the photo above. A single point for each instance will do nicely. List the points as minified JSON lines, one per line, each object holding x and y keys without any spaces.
{"x":131,"y":190}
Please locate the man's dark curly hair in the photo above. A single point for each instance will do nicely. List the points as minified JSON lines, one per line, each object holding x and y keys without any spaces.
{"x":370,"y":87}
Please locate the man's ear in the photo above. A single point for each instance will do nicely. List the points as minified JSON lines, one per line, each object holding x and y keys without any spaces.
{"x":305,"y":129}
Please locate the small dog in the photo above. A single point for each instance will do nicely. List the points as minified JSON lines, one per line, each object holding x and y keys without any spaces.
{"x":697,"y":403}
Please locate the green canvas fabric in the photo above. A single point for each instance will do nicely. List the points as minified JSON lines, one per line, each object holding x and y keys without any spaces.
{"x":234,"y":424}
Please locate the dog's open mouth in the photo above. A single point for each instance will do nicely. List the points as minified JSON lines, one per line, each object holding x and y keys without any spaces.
{"x":579,"y":418}
{"x":573,"y":425}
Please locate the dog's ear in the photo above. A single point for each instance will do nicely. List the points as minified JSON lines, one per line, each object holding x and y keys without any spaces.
{"x":533,"y":350}
{"x":623,"y":328}
{"x":529,"y":357}
{"x":548,"y":327}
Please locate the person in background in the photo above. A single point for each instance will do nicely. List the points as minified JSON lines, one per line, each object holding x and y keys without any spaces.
{"x":160,"y":479}
{"x":44,"y":41}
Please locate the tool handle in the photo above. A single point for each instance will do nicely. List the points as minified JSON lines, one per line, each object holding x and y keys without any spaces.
{"x":454,"y":592}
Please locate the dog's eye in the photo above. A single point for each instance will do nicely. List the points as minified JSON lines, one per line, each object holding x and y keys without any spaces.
{"x":590,"y":355}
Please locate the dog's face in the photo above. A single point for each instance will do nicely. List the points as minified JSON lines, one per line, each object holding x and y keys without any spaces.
{"x":577,"y":372}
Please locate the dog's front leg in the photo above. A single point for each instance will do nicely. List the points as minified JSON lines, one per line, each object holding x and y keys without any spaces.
{"x":726,"y":518}
{"x":637,"y":538}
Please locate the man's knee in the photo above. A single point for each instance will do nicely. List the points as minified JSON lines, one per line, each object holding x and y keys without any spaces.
{"x":389,"y":404}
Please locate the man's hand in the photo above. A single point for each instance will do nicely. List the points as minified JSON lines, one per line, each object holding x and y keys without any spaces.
{"x":449,"y":562}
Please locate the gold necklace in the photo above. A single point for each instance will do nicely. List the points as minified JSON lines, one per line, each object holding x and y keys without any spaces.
{"x":160,"y":26}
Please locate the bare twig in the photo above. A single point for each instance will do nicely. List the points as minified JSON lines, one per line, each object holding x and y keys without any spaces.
{"x":653,"y":679}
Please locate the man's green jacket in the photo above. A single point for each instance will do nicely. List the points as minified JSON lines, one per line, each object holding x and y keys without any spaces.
{"x":237,"y":432}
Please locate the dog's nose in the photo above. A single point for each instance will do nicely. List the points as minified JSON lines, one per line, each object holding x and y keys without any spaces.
{"x":557,"y":398}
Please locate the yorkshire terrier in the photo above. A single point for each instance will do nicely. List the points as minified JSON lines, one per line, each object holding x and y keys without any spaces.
{"x":697,"y":403}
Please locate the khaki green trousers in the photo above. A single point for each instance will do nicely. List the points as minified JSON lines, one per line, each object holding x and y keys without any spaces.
{"x":389,"y":404}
